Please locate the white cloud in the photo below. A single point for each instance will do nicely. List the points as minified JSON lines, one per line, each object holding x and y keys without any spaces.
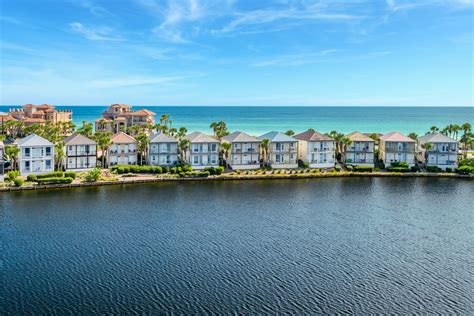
{"x":92,"y":7}
{"x":135,"y":81}
{"x":93,"y":33}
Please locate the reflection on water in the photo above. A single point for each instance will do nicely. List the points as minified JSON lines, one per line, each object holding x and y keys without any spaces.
{"x":349,"y":245}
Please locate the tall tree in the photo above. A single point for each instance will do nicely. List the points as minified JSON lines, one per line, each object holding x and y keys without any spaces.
{"x":143,"y":142}
{"x":264,"y":145}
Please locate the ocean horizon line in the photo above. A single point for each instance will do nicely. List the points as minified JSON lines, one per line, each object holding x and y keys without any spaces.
{"x":261,"y":106}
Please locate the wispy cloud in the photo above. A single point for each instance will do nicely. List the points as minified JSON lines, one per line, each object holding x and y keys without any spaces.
{"x":258,"y":20}
{"x":296,"y":59}
{"x":93,"y":33}
{"x":92,"y":7}
{"x":9,"y":19}
{"x":135,"y":81}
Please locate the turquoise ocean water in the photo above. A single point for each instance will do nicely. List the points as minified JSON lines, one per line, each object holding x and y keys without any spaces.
{"x":259,"y":120}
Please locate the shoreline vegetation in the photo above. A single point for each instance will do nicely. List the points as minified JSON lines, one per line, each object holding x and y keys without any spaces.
{"x":141,"y":169}
{"x":125,"y":179}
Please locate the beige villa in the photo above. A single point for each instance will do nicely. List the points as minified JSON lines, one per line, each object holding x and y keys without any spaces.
{"x":361,"y":151}
{"x":244,"y":152}
{"x":123,"y":150}
{"x":316,"y":149}
{"x":119,"y":117}
{"x":396,"y":147}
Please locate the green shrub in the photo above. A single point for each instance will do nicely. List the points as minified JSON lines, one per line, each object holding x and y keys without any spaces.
{"x":182,"y":174}
{"x":55,"y":174}
{"x":350,"y":168}
{"x":237,"y":171}
{"x":380,"y":165}
{"x":211,"y":170}
{"x":13,"y":174}
{"x":173,"y":170}
{"x":415,"y":169}
{"x":18,"y":182}
{"x":204,"y":174}
{"x":186,"y":168}
{"x":398,"y":169}
{"x":448,"y":170}
{"x":93,"y":175}
{"x":166,"y":169}
{"x":70,"y":174}
{"x":31,"y":178}
{"x":55,"y":180}
{"x":433,"y":169}
{"x":363,"y":168}
{"x":337,"y":168}
{"x":467,"y":162}
{"x":399,"y":164}
{"x":465,"y":170}
{"x":219,"y":170}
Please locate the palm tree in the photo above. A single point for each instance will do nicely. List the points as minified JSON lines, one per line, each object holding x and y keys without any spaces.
{"x":338,"y":139}
{"x":345,"y":142}
{"x":413,"y":136}
{"x":11,"y":153}
{"x":143,"y":142}
{"x":455,"y":128}
{"x":434,"y":129}
{"x":103,"y":142}
{"x":466,"y":127}
{"x":183,"y":146}
{"x":264,"y":145}
{"x":59,"y":154}
{"x":225,"y":150}
{"x":86,"y":129}
{"x":220,"y":129}
{"x":181,"y":133}
{"x":427,"y":147}
{"x":290,"y":132}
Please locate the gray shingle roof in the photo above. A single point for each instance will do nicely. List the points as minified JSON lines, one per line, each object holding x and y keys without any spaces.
{"x":78,"y":139}
{"x":240,"y":137}
{"x":198,"y":137}
{"x":277,"y":137}
{"x":34,"y":140}
{"x":435,"y":138}
{"x":310,"y":135}
{"x":162,"y":138}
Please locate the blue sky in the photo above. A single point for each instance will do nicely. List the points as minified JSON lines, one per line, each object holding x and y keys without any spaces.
{"x":200,"y":52}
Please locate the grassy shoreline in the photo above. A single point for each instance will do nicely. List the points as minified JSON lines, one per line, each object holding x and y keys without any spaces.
{"x":239,"y":177}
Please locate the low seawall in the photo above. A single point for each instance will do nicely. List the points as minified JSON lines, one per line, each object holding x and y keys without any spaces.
{"x":241,"y":178}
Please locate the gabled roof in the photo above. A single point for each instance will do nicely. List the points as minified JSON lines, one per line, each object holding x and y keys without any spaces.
{"x":359,"y":137}
{"x":142,"y":112}
{"x":240,"y":137}
{"x":78,"y":139}
{"x":396,"y":137}
{"x":436,"y":138}
{"x":34,"y":140}
{"x":312,"y":136}
{"x":33,"y":120}
{"x":123,"y":138}
{"x":277,"y":137}
{"x":198,"y":137}
{"x":162,"y":138}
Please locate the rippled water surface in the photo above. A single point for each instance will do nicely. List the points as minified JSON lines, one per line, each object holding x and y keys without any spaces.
{"x":290,"y":246}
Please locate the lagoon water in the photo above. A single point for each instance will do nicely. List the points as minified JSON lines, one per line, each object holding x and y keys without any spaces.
{"x":260,"y":120}
{"x":355,"y":245}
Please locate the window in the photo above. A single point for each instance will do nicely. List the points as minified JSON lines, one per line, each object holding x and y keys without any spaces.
{"x":27,"y":165}
{"x":213,"y":147}
{"x":48,"y":164}
{"x":48,"y":151}
{"x":277,"y":158}
{"x":278,"y":146}
{"x":195,"y":160}
{"x":70,"y":147}
{"x":27,"y":152}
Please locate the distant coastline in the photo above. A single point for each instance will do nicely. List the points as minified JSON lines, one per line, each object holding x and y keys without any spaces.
{"x":257,"y":120}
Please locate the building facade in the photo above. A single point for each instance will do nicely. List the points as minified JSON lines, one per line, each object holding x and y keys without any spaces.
{"x":40,"y":114}
{"x":163,"y":150}
{"x":443,"y":153}
{"x":203,"y":151}
{"x":36,"y":155}
{"x":119,"y":117}
{"x":396,"y":147}
{"x":316,"y":149}
{"x":123,"y":150}
{"x":282,"y":151}
{"x":244,"y":153}
{"x":361,"y":151}
{"x":80,"y":153}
